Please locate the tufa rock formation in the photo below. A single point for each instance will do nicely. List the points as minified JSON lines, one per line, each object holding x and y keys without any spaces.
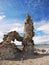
{"x":28,"y":28}
{"x":28,"y":35}
{"x":12,"y":36}
{"x":9,"y":50}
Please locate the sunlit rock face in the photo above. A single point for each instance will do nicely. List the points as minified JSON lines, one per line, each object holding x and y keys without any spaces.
{"x":28,"y":34}
{"x":28,"y":28}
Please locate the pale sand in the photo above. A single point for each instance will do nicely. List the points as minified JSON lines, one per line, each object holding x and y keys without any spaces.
{"x":35,"y":59}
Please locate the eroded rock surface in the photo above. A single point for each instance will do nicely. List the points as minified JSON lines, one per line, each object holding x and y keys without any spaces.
{"x":12,"y":36}
{"x":28,"y":35}
{"x":9,"y":50}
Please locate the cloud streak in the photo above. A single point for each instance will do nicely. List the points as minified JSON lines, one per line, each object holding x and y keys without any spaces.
{"x":2,"y":17}
{"x":39,"y":26}
{"x":17,"y":27}
{"x":42,"y":26}
{"x":8,"y":27}
{"x":41,"y":39}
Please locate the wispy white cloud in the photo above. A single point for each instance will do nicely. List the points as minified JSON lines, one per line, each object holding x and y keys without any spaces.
{"x":17,"y":27}
{"x":7,"y":27}
{"x":42,"y":26}
{"x":1,"y":36}
{"x":41,"y":39}
{"x":39,"y":26}
{"x":2,"y":17}
{"x":40,"y":23}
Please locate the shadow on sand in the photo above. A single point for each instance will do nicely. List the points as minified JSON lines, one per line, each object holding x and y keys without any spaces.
{"x":26,"y":57}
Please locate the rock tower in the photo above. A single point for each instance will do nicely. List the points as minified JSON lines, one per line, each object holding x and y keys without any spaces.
{"x":28,"y":34}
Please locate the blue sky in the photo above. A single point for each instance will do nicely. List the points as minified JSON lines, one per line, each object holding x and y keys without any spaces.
{"x":12,"y":17}
{"x":13,"y":9}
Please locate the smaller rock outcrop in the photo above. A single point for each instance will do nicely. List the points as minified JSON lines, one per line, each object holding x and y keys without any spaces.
{"x":9,"y":50}
{"x":12,"y":36}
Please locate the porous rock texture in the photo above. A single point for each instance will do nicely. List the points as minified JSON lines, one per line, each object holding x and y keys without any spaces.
{"x":28,"y":35}
{"x":9,"y":50}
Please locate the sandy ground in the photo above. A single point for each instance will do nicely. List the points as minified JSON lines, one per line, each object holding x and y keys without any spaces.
{"x":41,"y":59}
